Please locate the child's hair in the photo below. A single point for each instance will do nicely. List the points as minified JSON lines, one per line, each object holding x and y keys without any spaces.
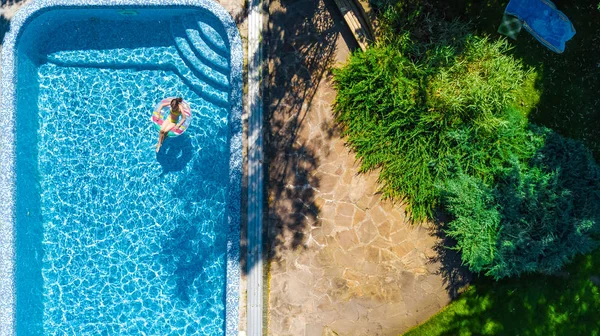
{"x":175,"y":103}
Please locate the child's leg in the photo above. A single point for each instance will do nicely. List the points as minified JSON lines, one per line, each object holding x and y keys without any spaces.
{"x":165,"y":128}
{"x":161,"y":136}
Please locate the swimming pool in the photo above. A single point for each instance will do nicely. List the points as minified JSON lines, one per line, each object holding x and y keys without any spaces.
{"x":99,"y":234}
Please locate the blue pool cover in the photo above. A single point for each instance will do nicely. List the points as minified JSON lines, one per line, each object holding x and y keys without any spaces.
{"x":542,"y":20}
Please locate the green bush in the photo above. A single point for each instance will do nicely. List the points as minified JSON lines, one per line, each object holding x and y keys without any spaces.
{"x":443,"y":115}
{"x":476,"y":221}
{"x":535,"y":218}
{"x":423,"y":120}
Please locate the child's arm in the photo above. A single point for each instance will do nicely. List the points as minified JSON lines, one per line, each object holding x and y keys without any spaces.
{"x":160,"y":107}
{"x":182,"y":120}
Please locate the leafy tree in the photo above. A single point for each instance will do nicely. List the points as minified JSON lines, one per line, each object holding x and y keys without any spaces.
{"x":423,"y":120}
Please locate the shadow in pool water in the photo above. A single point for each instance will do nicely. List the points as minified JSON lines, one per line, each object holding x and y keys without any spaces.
{"x":175,"y":154}
{"x":194,"y":249}
{"x":185,"y":255}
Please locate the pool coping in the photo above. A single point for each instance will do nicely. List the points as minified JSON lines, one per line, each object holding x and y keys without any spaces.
{"x":255,"y":290}
{"x":7,"y":149}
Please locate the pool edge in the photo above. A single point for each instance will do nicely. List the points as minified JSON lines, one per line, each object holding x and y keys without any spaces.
{"x":7,"y":149}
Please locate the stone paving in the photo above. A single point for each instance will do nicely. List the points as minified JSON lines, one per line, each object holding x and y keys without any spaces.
{"x":342,"y":260}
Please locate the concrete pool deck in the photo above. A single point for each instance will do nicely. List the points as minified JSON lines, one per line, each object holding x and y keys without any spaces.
{"x":342,"y":260}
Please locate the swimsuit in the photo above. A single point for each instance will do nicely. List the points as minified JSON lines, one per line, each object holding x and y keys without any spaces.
{"x":175,"y":116}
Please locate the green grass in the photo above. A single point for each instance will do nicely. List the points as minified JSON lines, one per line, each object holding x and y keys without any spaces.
{"x":531,"y":305}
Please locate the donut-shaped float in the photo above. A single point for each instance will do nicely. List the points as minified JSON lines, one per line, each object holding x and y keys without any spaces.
{"x":158,"y":116}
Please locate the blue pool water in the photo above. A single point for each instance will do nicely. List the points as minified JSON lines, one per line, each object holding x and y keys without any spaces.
{"x":112,"y":238}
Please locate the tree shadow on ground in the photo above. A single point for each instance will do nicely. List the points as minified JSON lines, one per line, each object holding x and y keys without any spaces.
{"x":7,"y":11}
{"x":455,"y":275}
{"x":302,"y":43}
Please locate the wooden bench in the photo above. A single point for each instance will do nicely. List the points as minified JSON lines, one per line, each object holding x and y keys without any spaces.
{"x":357,"y":20}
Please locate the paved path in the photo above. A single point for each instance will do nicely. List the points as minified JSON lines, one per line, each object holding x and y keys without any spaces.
{"x":342,"y":259}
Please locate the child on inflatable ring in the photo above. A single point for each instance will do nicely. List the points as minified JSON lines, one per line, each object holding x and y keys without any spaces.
{"x":173,"y":121}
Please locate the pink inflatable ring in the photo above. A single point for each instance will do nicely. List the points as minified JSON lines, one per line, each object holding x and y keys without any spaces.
{"x":158,"y":117}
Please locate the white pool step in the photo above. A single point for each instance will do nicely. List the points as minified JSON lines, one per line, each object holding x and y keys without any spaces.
{"x":205,"y":26}
{"x":203,"y":71}
{"x":203,"y":50}
{"x":204,"y":89}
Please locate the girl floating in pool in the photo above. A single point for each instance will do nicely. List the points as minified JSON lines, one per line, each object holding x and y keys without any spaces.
{"x":173,"y":120}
